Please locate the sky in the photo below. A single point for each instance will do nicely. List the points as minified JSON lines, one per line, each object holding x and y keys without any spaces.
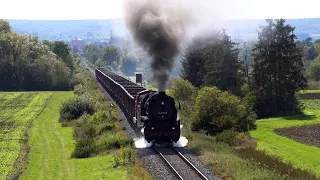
{"x":110,"y":9}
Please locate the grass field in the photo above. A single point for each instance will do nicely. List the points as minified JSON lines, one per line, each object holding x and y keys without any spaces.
{"x":299,"y":155}
{"x":17,"y":110}
{"x":51,"y":147}
{"x":310,"y":91}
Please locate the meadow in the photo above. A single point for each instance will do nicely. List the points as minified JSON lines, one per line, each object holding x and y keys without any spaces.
{"x":34,"y":145}
{"x":310,"y":91}
{"x":299,"y":155}
{"x":17,"y":111}
{"x":52,"y":146}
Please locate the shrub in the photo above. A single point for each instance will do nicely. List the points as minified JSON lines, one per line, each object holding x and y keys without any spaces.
{"x":215,"y":111}
{"x":84,"y":148}
{"x":124,"y":156}
{"x":227,"y":136}
{"x":78,"y":89}
{"x":106,"y":127}
{"x":183,"y":89}
{"x":100,"y":117}
{"x":75,"y":107}
{"x":85,"y":130}
{"x":115,"y":142}
{"x":128,"y":156}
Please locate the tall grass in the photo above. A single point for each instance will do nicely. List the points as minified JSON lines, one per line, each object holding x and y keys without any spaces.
{"x":100,"y":133}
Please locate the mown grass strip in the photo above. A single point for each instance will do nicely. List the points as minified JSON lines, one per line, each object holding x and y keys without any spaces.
{"x":310,"y":91}
{"x":52,"y":146}
{"x":300,"y":155}
{"x":24,"y":107}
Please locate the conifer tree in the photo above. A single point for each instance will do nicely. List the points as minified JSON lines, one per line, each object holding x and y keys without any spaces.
{"x":278,"y":68}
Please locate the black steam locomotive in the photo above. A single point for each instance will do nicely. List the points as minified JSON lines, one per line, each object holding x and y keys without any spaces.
{"x":154,"y":112}
{"x":158,"y":115}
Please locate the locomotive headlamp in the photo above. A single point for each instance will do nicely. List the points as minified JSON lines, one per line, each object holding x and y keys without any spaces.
{"x":173,"y":128}
{"x":152,"y":128}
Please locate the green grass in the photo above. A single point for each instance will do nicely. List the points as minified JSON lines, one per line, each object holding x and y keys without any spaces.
{"x":52,"y":145}
{"x":313,"y":104}
{"x":222,"y":159}
{"x":299,"y":155}
{"x":17,"y":110}
{"x":310,"y":91}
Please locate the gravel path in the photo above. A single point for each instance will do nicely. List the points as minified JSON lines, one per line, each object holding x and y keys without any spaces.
{"x":153,"y":162}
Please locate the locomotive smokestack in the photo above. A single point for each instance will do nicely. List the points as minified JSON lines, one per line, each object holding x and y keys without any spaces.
{"x":159,"y":27}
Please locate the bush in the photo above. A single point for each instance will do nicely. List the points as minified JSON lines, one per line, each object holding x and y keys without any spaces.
{"x":124,"y":156}
{"x":100,"y":117}
{"x":84,"y":148}
{"x":106,"y":127}
{"x":183,"y":89}
{"x":227,"y":136}
{"x":85,"y":130}
{"x":75,"y":107}
{"x":215,"y":111}
{"x":115,"y":142}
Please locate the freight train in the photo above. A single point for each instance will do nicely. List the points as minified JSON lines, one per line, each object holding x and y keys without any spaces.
{"x":154,"y":112}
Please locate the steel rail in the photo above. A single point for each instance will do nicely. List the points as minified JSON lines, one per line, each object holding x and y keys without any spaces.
{"x":167,"y":162}
{"x":202,"y":176}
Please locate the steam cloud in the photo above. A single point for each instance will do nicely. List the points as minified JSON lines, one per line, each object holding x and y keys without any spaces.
{"x":159,"y":27}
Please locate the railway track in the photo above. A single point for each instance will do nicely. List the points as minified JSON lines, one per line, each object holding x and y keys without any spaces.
{"x":179,"y":164}
{"x":123,"y":92}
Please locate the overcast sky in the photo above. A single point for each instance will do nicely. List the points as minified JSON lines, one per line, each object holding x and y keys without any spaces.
{"x":108,"y":9}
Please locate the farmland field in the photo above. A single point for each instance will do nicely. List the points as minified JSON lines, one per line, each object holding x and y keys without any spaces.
{"x":17,"y":110}
{"x":50,"y":144}
{"x":300,"y":155}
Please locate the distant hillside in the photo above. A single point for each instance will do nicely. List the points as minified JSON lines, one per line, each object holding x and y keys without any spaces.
{"x":67,"y":30}
{"x":247,"y":29}
{"x":96,"y":30}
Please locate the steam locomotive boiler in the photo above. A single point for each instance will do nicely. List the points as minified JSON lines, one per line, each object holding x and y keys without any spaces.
{"x":154,"y":112}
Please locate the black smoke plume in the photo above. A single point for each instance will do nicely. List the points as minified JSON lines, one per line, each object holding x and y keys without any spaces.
{"x":159,"y":27}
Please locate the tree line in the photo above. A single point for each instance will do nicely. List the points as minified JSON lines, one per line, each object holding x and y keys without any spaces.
{"x":28,"y":64}
{"x":112,"y":57}
{"x":269,"y":84}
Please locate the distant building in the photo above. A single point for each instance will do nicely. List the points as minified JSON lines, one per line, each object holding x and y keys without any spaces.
{"x":112,"y":41}
{"x":77,"y":45}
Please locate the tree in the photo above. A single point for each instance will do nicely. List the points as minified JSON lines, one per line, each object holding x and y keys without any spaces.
{"x":129,"y":65}
{"x":183,"y":90}
{"x":27,"y":64}
{"x":315,"y":70}
{"x":215,"y":111}
{"x":212,"y":59}
{"x":4,"y":26}
{"x":92,"y":52}
{"x":62,"y":50}
{"x":278,"y":68}
{"x":193,"y":61}
{"x":308,"y":48}
{"x":111,"y":55}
